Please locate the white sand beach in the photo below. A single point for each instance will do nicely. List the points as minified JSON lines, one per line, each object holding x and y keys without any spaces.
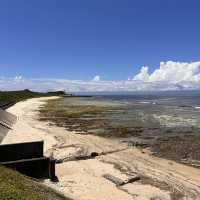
{"x":83,"y":180}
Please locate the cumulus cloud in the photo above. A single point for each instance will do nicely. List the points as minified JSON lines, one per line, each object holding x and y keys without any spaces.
{"x":96,"y":78}
{"x":168,"y":76}
{"x":171,"y":72}
{"x":143,"y":75}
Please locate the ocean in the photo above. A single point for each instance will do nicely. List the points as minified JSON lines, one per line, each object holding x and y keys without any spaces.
{"x":134,"y":114}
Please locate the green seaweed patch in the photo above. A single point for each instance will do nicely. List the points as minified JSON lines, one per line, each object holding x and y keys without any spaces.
{"x":86,"y":119}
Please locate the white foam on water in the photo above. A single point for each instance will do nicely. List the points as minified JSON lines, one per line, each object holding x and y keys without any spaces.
{"x":144,"y":102}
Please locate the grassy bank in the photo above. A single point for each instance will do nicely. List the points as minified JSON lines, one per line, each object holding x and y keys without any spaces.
{"x":15,"y":186}
{"x":7,"y":97}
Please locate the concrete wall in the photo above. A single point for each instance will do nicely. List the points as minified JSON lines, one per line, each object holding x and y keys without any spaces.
{"x":6,"y":122}
{"x":7,"y":118}
{"x":36,"y":168}
{"x":19,"y":151}
{"x":3,"y":132}
{"x":7,"y":105}
{"x":28,"y":159}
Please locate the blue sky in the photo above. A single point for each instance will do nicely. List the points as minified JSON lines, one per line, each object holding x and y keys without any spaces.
{"x":78,"y":39}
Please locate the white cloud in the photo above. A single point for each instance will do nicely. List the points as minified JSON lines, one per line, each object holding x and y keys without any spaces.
{"x":96,"y":78}
{"x":143,"y":75}
{"x":172,"y":72}
{"x":169,"y":76}
{"x":18,"y":78}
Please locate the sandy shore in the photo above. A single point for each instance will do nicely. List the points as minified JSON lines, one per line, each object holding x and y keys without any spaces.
{"x":83,"y":180}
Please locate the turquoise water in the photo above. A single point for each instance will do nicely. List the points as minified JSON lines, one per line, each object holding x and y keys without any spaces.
{"x":146,"y":114}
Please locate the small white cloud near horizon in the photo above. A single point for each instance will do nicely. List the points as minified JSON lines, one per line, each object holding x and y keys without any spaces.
{"x":18,"y":78}
{"x":96,"y":78}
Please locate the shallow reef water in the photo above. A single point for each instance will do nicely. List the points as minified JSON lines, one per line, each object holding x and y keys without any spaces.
{"x":167,"y":124}
{"x":127,"y":115}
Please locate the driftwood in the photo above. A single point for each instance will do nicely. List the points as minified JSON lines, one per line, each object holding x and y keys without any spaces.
{"x":118,"y":182}
{"x":92,"y":155}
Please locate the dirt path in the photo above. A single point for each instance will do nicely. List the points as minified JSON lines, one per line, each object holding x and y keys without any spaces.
{"x":84,"y":179}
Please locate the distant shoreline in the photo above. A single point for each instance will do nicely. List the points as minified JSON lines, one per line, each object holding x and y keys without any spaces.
{"x":76,"y":96}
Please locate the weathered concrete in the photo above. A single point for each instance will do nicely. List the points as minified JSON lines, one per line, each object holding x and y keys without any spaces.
{"x":7,"y":119}
{"x":3,"y":131}
{"x":6,"y":122}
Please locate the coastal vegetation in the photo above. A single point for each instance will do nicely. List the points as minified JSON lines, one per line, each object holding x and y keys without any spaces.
{"x":11,"y":97}
{"x":15,"y":186}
